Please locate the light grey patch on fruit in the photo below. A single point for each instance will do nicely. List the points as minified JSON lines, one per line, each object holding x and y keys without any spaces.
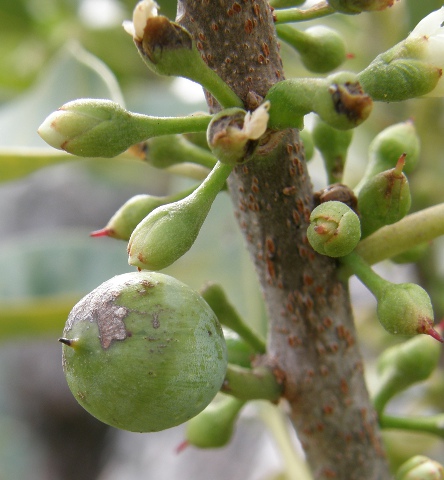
{"x":156,"y":322}
{"x":110,"y":320}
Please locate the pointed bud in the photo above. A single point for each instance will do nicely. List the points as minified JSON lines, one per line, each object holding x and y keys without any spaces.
{"x":420,"y":468}
{"x":333,"y":145}
{"x":334,"y":229}
{"x":406,"y":309}
{"x":338,"y":99}
{"x":403,"y":365}
{"x":102,"y":128}
{"x":384,"y":199}
{"x":213,"y":427}
{"x":321,"y":48}
{"x":233,"y":134}
{"x":403,"y":309}
{"x":122,"y":224}
{"x":169,"y":231}
{"x":352,"y":7}
{"x":411,"y":68}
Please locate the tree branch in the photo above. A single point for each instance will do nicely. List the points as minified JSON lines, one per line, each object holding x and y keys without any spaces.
{"x":312,"y":339}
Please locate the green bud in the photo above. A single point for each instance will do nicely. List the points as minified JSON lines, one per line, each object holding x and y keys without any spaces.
{"x":405,"y":309}
{"x":213,"y":427}
{"x":321,"y":48}
{"x":143,"y":352}
{"x":333,"y":145}
{"x":233,"y":134}
{"x":122,"y":224}
{"x":388,"y":146}
{"x":352,"y":7}
{"x":334,"y":229}
{"x":102,"y":128}
{"x":399,"y":80}
{"x":169,"y":231}
{"x":338,"y":99}
{"x":384,"y":199}
{"x":404,"y":365}
{"x":420,"y":468}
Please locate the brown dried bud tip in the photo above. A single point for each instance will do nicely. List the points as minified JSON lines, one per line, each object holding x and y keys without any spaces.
{"x":350,"y":100}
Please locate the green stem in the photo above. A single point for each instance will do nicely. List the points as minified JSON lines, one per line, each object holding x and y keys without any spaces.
{"x":213,"y":184}
{"x":219,"y":89}
{"x":364,"y":272}
{"x":154,"y":126}
{"x":289,"y":15}
{"x":391,"y":240}
{"x":277,"y":423}
{"x":258,"y":383}
{"x":190,"y":170}
{"x":433,"y":424}
{"x":293,"y":37}
{"x":228,"y":316}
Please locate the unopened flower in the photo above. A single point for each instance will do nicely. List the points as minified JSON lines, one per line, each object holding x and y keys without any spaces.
{"x":411,"y":68}
{"x":144,"y":10}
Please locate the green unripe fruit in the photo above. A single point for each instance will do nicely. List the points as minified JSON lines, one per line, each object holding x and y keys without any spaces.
{"x":405,"y":309}
{"x":321,"y":48}
{"x":214,"y":426}
{"x":420,"y":467}
{"x":239,"y":352}
{"x":384,"y":199}
{"x":334,"y":229}
{"x":143,"y":352}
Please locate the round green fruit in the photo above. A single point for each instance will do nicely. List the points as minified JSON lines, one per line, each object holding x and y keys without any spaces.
{"x":143,"y":352}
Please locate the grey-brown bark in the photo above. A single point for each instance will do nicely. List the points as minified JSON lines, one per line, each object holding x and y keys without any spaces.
{"x":312,"y":339}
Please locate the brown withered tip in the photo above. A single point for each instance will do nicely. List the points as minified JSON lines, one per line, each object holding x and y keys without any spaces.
{"x":337,"y":192}
{"x":66,"y":341}
{"x":350,"y":100}
{"x":162,"y":34}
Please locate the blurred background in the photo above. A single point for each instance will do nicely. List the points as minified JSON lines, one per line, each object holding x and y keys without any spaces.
{"x":54,"y":51}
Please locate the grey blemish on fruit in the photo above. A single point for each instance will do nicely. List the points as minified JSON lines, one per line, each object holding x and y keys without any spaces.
{"x":110,"y":323}
{"x":100,"y":307}
{"x":156,"y":323}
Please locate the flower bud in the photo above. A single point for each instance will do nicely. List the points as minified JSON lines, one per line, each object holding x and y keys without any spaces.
{"x":143,"y":352}
{"x":233,"y":134}
{"x":411,"y":68}
{"x":333,"y":145}
{"x":420,"y":468}
{"x":102,"y":128}
{"x":404,"y":365}
{"x":338,"y":99}
{"x":122,"y":224}
{"x":213,"y":427}
{"x":321,"y":48}
{"x":334,"y":229}
{"x":352,"y":7}
{"x":405,"y":309}
{"x":169,"y":231}
{"x":384,"y":199}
